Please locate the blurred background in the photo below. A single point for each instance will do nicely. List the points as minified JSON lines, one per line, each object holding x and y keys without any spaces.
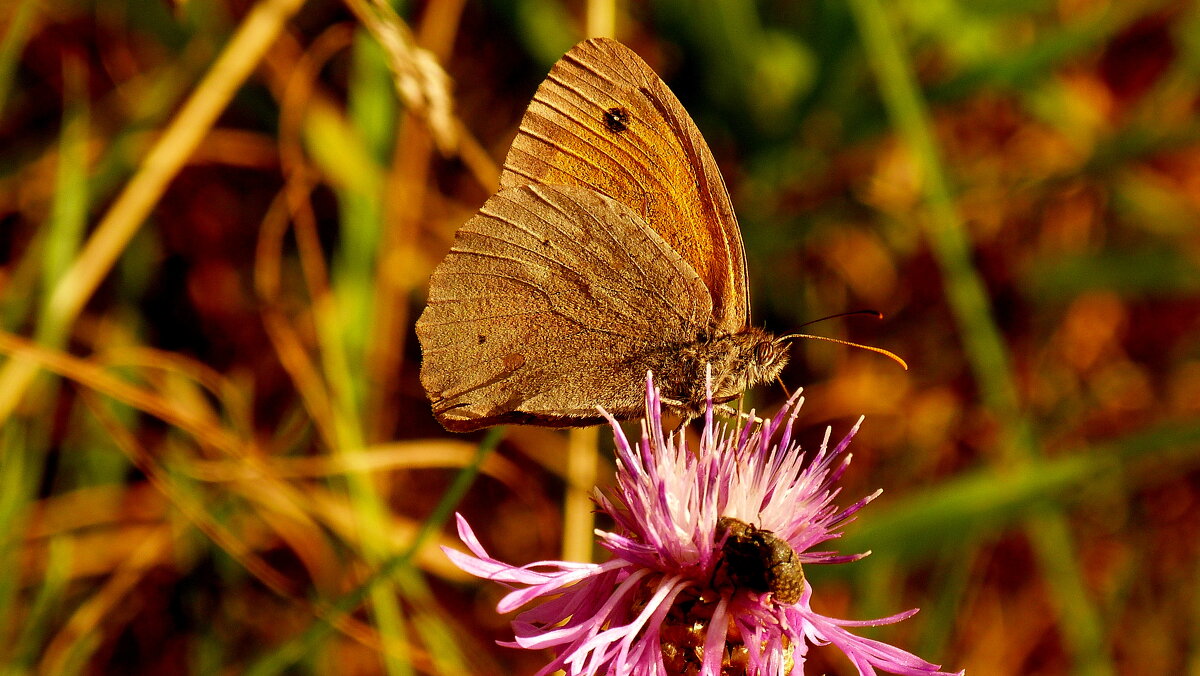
{"x":218,"y":219}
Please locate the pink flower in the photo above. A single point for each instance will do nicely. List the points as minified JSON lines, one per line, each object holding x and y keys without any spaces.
{"x":706,"y":569}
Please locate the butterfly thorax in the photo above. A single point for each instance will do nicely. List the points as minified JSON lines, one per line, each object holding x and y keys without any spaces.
{"x":738,"y":360}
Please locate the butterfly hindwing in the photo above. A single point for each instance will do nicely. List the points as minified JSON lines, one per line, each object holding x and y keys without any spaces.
{"x":543,"y":306}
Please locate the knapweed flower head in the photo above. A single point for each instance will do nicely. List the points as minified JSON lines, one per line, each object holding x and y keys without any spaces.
{"x":706,"y":575}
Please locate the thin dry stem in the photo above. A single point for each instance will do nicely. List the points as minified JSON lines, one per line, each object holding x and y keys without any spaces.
{"x":89,"y":614}
{"x":421,"y":83}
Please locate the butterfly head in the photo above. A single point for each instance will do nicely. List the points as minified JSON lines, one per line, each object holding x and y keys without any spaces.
{"x":757,"y":357}
{"x":768,"y":356}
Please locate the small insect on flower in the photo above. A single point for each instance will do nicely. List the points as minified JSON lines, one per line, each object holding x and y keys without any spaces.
{"x":757,"y":560}
{"x":705,"y":576}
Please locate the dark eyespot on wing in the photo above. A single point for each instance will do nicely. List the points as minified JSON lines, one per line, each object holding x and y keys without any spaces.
{"x":653,"y":160}
{"x":616,"y":119}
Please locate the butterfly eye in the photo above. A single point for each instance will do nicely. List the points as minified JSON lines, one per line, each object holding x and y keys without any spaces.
{"x":764,"y":353}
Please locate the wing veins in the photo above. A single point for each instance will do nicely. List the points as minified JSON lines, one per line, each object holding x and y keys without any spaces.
{"x":623,"y":168}
{"x":642,"y":277}
{"x":604,"y":228}
{"x":639,"y":87}
{"x":583,"y":113}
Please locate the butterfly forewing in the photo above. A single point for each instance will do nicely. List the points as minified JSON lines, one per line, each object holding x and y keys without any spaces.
{"x":544,"y":306}
{"x":603,"y":120}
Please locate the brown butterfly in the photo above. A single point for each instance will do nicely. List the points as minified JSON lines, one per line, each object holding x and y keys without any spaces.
{"x":610,"y":250}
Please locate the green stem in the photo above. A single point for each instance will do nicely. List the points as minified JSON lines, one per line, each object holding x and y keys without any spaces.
{"x":297,"y":648}
{"x":965,"y":291}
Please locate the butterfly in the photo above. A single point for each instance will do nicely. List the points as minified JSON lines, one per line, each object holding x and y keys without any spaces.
{"x":611,"y":249}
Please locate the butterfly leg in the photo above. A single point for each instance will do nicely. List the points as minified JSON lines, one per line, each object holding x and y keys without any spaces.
{"x":688,"y":412}
{"x":731,"y":412}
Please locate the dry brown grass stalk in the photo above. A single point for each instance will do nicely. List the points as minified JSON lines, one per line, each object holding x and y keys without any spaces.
{"x":179,"y":140}
{"x":421,"y":83}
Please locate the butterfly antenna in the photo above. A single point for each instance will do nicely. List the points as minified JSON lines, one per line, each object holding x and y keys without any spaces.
{"x":891,"y":355}
{"x":874,"y":313}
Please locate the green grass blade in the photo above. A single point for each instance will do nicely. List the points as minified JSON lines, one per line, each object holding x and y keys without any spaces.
{"x":981,"y":337}
{"x":987,"y":501}
{"x":26,"y":440}
{"x":297,"y":648}
{"x":19,"y":22}
{"x":47,"y":603}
